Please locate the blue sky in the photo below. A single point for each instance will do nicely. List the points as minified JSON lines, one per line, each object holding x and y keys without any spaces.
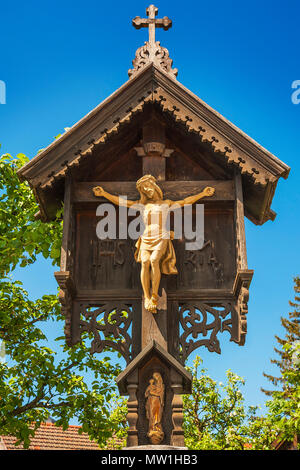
{"x":60,"y":59}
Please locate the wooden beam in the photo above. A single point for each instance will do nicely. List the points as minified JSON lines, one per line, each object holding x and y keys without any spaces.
{"x":173,"y":190}
{"x":154,"y":143}
{"x":66,"y":224}
{"x":241,"y":251}
{"x":155,"y":166}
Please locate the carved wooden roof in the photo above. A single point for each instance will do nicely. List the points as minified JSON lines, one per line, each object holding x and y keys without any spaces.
{"x":154,"y":348}
{"x":228,"y":144}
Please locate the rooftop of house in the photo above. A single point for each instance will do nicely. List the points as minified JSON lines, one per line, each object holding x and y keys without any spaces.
{"x":52,"y":437}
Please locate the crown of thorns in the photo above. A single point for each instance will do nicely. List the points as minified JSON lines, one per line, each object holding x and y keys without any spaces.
{"x":151,"y":179}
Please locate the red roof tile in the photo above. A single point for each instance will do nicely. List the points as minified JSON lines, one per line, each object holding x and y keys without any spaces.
{"x":51,"y":437}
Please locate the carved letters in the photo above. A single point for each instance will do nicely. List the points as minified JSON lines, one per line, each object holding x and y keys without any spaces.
{"x":108,"y":248}
{"x":199,"y":259}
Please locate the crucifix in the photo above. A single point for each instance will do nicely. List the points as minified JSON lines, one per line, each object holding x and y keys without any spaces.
{"x":155,"y":250}
{"x":151,"y":22}
{"x":152,"y":51}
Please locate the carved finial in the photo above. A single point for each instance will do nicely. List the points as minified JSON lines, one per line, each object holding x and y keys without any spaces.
{"x":152,"y":51}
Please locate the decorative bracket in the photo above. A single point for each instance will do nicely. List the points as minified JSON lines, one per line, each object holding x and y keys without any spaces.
{"x":109,"y":324}
{"x":241,"y":288}
{"x":66,"y":295}
{"x":208,"y":319}
{"x":194,"y":320}
{"x":153,"y":149}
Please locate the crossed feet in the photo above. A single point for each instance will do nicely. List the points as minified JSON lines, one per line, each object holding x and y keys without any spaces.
{"x":151,"y":304}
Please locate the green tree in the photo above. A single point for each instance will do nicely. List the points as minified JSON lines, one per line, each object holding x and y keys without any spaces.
{"x":291,"y":339}
{"x":215,"y":416}
{"x":22,"y":236}
{"x":36,"y":381}
{"x":284,"y":406}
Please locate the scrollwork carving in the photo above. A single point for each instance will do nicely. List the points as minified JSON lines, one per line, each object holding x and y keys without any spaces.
{"x":110,"y":324}
{"x":194,"y":320}
{"x":152,"y":53}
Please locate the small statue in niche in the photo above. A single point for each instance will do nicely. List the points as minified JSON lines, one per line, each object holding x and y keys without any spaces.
{"x":154,"y":249}
{"x":154,"y":408}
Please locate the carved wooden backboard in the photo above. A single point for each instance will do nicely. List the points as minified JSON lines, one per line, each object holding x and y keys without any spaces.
{"x":108,"y":264}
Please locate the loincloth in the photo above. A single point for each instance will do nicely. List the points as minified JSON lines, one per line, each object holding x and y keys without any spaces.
{"x":168,"y":259}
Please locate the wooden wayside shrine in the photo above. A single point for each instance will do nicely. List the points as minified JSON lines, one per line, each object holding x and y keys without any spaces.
{"x":153,"y":125}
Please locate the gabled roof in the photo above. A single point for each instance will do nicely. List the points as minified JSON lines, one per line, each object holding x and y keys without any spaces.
{"x":153,"y":85}
{"x":51,"y":437}
{"x":154,"y":348}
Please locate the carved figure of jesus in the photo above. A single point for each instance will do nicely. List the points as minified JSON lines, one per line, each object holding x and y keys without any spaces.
{"x":154,"y":249}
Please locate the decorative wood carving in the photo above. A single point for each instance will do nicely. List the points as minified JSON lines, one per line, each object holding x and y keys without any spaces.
{"x":152,"y":51}
{"x":154,"y":126}
{"x":202,"y":322}
{"x":154,"y":396}
{"x":177,"y":437}
{"x":132,"y":407}
{"x":154,"y":248}
{"x":177,"y":380}
{"x":110,"y":326}
{"x":113,"y":249}
{"x":243,"y":310}
{"x":154,"y":87}
{"x":157,"y":54}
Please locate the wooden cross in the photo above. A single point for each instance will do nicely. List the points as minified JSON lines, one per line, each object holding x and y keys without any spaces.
{"x":151,"y":22}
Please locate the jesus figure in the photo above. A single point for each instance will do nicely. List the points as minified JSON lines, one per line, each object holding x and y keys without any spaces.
{"x":154,"y":249}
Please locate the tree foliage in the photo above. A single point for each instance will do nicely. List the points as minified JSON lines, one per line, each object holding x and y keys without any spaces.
{"x":216,"y":418}
{"x":285,"y":362}
{"x":22,"y":236}
{"x":284,"y":407}
{"x":215,"y":414}
{"x":36,"y":381}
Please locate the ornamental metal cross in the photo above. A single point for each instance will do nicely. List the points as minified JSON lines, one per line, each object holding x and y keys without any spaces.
{"x":151,"y":22}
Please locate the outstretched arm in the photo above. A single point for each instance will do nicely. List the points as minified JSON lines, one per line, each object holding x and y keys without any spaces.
{"x":207,"y":192}
{"x":119,"y":201}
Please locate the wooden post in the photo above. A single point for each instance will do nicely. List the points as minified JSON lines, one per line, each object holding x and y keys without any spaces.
{"x":154,"y":326}
{"x":177,"y":437}
{"x":240,"y":224}
{"x":64,"y":258}
{"x":132,"y":405}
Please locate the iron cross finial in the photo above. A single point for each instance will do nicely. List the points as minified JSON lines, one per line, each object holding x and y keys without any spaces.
{"x":151,"y":22}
